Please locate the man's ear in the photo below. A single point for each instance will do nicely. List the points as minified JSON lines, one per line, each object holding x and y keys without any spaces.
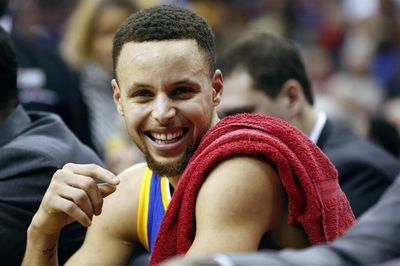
{"x":117,"y":96}
{"x":292,"y":91}
{"x":218,"y":87}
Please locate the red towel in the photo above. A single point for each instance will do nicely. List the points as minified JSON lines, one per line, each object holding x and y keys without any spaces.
{"x":316,"y":202}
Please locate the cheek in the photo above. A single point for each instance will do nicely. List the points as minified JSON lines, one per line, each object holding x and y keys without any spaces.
{"x":268,"y":110}
{"x":200,"y":115}
{"x":276,"y":111}
{"x":134,"y":117}
{"x":264,"y":106}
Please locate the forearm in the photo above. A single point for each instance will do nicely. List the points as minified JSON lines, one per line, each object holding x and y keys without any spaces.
{"x":41,"y":249}
{"x":73,"y":195}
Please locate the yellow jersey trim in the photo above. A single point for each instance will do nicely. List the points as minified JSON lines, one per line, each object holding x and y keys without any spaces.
{"x":165,"y":192}
{"x":144,"y":197}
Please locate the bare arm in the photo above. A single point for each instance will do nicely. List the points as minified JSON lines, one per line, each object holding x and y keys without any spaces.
{"x":241,"y":199}
{"x":72,"y":195}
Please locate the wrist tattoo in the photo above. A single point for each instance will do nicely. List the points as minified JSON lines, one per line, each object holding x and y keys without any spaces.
{"x":50,"y":252}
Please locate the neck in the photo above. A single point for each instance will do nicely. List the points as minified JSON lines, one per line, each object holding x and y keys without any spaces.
{"x":215,"y":119}
{"x":174,"y":180}
{"x":307,"y":119}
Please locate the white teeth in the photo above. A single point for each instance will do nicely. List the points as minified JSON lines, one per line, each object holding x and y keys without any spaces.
{"x":166,"y":137}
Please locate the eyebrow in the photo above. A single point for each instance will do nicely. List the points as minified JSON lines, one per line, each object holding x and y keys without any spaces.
{"x":183,"y":81}
{"x":139,"y":85}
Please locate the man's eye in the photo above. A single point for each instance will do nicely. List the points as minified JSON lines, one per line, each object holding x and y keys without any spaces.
{"x":181,"y":90}
{"x":142,"y":94}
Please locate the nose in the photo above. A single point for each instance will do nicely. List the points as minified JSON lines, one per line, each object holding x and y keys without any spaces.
{"x":163,"y":111}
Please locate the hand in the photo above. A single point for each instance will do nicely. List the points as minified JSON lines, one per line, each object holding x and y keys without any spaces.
{"x":73,"y":195}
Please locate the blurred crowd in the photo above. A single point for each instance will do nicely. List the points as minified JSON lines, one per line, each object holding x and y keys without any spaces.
{"x":351,"y":49}
{"x":64,"y":50}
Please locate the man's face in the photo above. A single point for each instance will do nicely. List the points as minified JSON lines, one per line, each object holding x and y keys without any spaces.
{"x":240,"y":96}
{"x":167,"y":97}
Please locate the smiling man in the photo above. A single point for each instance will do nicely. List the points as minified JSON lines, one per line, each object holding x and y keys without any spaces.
{"x":166,"y":87}
{"x":180,"y":113}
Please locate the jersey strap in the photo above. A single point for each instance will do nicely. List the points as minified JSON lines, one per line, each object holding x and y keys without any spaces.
{"x":154,"y":198}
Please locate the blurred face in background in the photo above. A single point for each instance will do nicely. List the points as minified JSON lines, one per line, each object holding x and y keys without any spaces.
{"x":240,"y":96}
{"x":104,"y":27}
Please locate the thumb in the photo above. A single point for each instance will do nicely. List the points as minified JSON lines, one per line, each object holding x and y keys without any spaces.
{"x":106,"y":189}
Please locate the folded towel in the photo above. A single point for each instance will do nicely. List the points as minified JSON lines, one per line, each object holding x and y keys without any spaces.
{"x":315,"y":201}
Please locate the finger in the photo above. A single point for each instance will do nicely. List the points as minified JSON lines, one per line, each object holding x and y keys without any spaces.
{"x":106,"y":189}
{"x":94,"y":171}
{"x":72,"y":210}
{"x":79,"y":197}
{"x":90,"y":187}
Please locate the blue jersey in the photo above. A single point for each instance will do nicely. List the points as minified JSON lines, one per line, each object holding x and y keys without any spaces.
{"x":154,"y":198}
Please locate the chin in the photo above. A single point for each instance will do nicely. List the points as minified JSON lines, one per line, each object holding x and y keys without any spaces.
{"x":169,"y":167}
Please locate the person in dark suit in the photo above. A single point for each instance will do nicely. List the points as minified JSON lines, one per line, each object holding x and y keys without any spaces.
{"x":374,"y":240}
{"x":33,"y":145}
{"x":265,"y":74}
{"x":45,"y":81}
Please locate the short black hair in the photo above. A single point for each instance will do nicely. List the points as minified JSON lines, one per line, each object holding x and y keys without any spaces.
{"x":8,"y":73}
{"x":165,"y":22}
{"x":270,"y":61}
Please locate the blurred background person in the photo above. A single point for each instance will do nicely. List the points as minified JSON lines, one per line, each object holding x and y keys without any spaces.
{"x":87,"y":47}
{"x":33,"y":146}
{"x":45,"y":82}
{"x":265,"y":74}
{"x":391,"y":112}
{"x":351,"y":47}
{"x":384,"y":134}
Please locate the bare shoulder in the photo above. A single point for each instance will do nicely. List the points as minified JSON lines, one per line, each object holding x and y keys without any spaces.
{"x":240,"y":200}
{"x":240,"y":183}
{"x":240,"y":164}
{"x":123,"y":203}
{"x":242,"y":171}
{"x":131,"y":178}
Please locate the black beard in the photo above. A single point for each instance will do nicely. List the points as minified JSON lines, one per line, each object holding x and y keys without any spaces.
{"x":173,"y":168}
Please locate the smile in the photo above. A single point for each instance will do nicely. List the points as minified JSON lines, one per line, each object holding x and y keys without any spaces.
{"x":167,"y":137}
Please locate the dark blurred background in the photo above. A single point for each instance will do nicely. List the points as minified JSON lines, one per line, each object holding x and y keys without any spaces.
{"x":351,"y":48}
